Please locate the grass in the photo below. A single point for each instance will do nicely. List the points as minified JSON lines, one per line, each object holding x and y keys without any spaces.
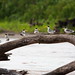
{"x":16,"y":26}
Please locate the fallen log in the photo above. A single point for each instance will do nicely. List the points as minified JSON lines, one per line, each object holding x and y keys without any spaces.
{"x":27,"y":40}
{"x":63,"y":70}
{"x":36,"y":39}
{"x":12,"y":72}
{"x":3,"y":57}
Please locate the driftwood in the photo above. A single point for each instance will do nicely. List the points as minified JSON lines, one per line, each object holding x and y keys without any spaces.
{"x":12,"y":72}
{"x":27,"y":40}
{"x":63,"y":70}
{"x":36,"y":39}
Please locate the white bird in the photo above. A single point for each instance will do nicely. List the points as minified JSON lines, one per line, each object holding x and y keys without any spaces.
{"x":7,"y":37}
{"x":68,"y":31}
{"x":0,"y":41}
{"x":50,"y":31}
{"x":36,"y":31}
{"x":23,"y":32}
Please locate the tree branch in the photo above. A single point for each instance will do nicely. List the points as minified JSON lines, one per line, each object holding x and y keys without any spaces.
{"x":63,"y":70}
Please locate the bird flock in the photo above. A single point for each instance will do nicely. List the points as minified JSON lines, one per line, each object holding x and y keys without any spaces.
{"x":49,"y":31}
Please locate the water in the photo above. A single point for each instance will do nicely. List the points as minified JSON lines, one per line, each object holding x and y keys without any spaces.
{"x":40,"y":58}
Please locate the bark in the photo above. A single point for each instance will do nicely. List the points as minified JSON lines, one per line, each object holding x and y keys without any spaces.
{"x":3,"y":57}
{"x":12,"y":72}
{"x":36,"y":39}
{"x":63,"y":70}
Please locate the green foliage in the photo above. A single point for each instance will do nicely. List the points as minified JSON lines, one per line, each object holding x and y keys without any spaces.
{"x":15,"y":12}
{"x":25,"y":10}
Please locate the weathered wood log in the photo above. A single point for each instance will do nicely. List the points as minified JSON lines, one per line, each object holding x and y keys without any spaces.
{"x":63,"y":70}
{"x":3,"y":57}
{"x":8,"y":72}
{"x":36,"y":39}
{"x":12,"y":72}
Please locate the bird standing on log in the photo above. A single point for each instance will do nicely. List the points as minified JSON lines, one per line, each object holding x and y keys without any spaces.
{"x":68,"y":31}
{"x":36,"y":30}
{"x":23,"y":32}
{"x":50,"y":31}
{"x":7,"y":37}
